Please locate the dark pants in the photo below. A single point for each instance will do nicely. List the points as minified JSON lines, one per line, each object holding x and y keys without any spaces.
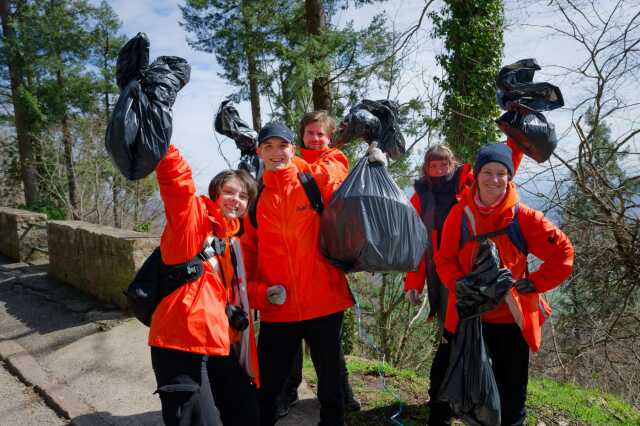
{"x":439,"y":412}
{"x":295,"y":377}
{"x":234,"y":395}
{"x":278,"y":344}
{"x":509,"y":354}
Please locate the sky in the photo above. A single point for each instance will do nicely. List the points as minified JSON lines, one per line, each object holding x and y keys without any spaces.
{"x":197,"y":103}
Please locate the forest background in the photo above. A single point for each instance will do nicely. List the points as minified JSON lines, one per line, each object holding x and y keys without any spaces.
{"x":278,"y":59}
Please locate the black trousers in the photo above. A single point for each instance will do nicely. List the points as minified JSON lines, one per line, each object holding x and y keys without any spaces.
{"x":295,"y":376}
{"x":439,"y":412}
{"x":509,"y":354}
{"x":278,"y":344}
{"x":234,"y":395}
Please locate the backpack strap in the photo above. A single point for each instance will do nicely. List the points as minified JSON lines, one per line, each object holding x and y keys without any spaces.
{"x":512,"y":230}
{"x":311,"y":189}
{"x":253,"y":208}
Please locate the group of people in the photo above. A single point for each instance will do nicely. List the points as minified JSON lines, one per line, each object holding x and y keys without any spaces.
{"x":300,"y":296}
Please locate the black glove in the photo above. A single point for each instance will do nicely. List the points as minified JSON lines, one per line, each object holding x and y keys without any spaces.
{"x":525,"y":285}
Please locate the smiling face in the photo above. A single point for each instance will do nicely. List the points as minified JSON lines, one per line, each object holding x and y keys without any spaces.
{"x":492,"y":182}
{"x":233,"y":198}
{"x":316,"y":136}
{"x":276,"y":153}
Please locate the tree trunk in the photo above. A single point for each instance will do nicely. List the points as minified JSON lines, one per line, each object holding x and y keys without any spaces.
{"x":67,"y":141}
{"x":115,"y":187}
{"x":253,"y":90}
{"x":23,"y":125}
{"x":316,"y":23}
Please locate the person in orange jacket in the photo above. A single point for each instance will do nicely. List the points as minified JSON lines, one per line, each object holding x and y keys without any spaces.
{"x":300,"y":295}
{"x":441,"y":186}
{"x":514,"y":326}
{"x":315,"y":131}
{"x":190,"y":328}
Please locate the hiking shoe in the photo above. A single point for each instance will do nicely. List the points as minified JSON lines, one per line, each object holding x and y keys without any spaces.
{"x":351,"y":403}
{"x":283,"y":403}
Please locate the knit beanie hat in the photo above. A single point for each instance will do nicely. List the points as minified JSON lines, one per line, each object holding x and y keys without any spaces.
{"x":495,"y":152}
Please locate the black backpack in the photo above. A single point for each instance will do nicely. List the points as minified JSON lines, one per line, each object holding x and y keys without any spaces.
{"x":155,"y":280}
{"x":310,"y":187}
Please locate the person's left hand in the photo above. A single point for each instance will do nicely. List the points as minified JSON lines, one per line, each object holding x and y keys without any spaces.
{"x":375,"y":154}
{"x":525,"y":285}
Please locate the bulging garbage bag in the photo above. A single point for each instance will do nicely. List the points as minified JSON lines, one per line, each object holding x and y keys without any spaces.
{"x":132,"y":59}
{"x":469,"y":386}
{"x":140,"y":126}
{"x":227,"y":122}
{"x":531,"y":131}
{"x":515,"y":83}
{"x":374,"y":121}
{"x":369,"y":224}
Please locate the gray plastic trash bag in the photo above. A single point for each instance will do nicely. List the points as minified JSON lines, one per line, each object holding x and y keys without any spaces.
{"x":369,"y":224}
{"x":374,"y":121}
{"x":469,"y":386}
{"x":140,"y":126}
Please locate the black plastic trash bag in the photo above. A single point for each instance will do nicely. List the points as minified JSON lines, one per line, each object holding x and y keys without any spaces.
{"x":227,"y":122}
{"x":369,"y":224}
{"x":469,"y":386}
{"x":531,"y":131}
{"x":140,"y":126}
{"x":132,"y":59}
{"x":515,"y":83}
{"x":374,"y":121}
{"x":484,"y":288}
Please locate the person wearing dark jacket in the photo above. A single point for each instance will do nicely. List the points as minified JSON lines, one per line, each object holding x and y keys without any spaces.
{"x":513,"y":328}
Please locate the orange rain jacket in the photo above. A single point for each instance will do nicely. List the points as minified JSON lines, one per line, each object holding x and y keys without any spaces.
{"x":285,"y":248}
{"x":544,"y":240}
{"x":416,"y":280}
{"x":193,"y":317}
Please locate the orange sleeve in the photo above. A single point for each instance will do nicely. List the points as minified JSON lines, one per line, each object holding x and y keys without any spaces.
{"x":550,"y":245}
{"x":516,"y":154}
{"x":447,"y":258}
{"x":415,"y":280}
{"x":183,"y":211}
{"x":256,"y":290}
{"x":330,"y":170}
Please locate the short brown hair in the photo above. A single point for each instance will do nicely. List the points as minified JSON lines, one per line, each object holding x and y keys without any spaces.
{"x":311,"y":117}
{"x":438,"y":153}
{"x":250,"y":185}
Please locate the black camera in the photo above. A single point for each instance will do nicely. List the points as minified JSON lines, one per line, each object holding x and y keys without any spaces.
{"x":238,"y":318}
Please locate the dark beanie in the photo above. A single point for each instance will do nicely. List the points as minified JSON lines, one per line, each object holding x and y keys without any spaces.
{"x":275,"y":130}
{"x":495,"y":152}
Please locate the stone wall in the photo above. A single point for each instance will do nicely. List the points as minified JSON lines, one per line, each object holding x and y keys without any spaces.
{"x":97,"y":259}
{"x":23,"y":234}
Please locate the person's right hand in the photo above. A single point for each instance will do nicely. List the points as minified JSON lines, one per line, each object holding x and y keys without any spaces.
{"x":414,"y":296}
{"x":276,"y":294}
{"x":375,"y":154}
